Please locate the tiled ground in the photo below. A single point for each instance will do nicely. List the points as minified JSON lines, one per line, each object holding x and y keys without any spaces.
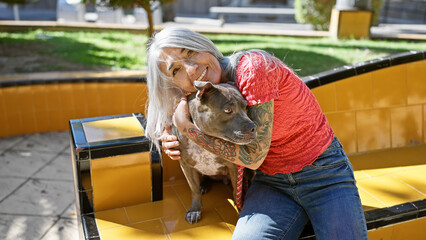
{"x":37,"y":198}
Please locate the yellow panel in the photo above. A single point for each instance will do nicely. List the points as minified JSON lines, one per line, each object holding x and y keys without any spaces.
{"x":67,"y":96}
{"x":354,"y":93}
{"x":14,"y":123}
{"x":368,"y":201}
{"x":373,"y":129}
{"x":407,"y":126}
{"x":380,"y":234}
{"x":326,"y":96}
{"x":43,"y":121}
{"x":424,"y":123}
{"x":389,"y":190}
{"x":53,"y":97}
{"x":415,"y":177}
{"x":121,"y":180}
{"x":170,"y":205}
{"x":217,"y":196}
{"x":344,"y":127}
{"x":106,"y":98}
{"x":413,"y":230}
{"x":171,"y":169}
{"x":211,"y":226}
{"x":136,"y":96}
{"x":4,"y":126}
{"x":11,"y":99}
{"x":92,"y":99}
{"x":80,"y":100}
{"x":389,"y":160}
{"x":355,"y":24}
{"x":416,"y":82}
{"x":111,"y":218}
{"x":145,"y":230}
{"x":389,"y":86}
{"x":114,"y":128}
{"x":39,"y":97}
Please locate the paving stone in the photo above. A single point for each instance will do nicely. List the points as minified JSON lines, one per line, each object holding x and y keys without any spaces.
{"x":47,"y":142}
{"x":14,"y":227}
{"x":16,"y":163}
{"x":64,"y":229}
{"x":7,"y":142}
{"x":40,"y":197}
{"x":60,"y":169}
{"x":7,"y":185}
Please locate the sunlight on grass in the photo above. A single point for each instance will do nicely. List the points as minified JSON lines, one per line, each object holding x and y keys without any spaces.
{"x":121,"y":50}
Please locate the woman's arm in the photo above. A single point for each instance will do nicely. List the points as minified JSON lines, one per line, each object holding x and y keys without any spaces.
{"x":250,"y":155}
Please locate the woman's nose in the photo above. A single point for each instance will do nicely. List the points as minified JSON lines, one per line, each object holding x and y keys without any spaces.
{"x":191,"y":68}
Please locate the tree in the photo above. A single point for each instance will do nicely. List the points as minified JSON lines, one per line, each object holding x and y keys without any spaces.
{"x":130,"y":4}
{"x":15,"y":4}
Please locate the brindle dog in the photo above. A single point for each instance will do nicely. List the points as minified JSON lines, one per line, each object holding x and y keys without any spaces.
{"x":219,"y":111}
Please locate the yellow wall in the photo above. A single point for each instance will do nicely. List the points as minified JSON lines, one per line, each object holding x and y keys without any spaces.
{"x":382,"y":109}
{"x":49,"y":107}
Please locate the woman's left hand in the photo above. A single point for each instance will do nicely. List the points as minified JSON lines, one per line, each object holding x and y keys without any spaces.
{"x":181,"y":116}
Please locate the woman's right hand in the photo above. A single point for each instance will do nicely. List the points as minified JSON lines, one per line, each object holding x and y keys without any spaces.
{"x":168,"y":142}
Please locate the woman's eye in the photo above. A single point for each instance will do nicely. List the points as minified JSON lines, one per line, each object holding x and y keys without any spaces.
{"x":228,"y":110}
{"x":175,"y":71}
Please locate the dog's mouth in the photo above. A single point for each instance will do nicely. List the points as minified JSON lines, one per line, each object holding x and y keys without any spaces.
{"x":242,"y":138}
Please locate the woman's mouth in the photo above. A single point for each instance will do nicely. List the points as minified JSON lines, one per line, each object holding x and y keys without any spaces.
{"x":202,"y":75}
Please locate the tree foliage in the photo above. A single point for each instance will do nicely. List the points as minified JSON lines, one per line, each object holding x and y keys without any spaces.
{"x":130,"y":4}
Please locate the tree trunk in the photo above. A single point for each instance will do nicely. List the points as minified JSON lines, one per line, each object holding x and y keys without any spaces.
{"x":148,"y":10}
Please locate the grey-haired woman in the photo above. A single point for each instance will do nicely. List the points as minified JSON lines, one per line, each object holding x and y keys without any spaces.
{"x":302,"y":172}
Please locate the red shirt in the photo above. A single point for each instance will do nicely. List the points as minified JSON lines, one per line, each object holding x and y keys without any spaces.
{"x":300,"y":129}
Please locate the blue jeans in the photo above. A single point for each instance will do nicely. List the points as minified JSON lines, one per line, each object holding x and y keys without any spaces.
{"x":279,"y":206}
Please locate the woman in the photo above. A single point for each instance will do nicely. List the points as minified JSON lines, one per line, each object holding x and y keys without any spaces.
{"x":302,"y":172}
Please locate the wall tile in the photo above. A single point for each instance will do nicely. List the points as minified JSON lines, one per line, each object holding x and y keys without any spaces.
{"x":354,"y":93}
{"x":407,"y":126}
{"x":373,"y":129}
{"x":344,"y":127}
{"x":416,"y":82}
{"x":389,"y":86}
{"x":326,"y":96}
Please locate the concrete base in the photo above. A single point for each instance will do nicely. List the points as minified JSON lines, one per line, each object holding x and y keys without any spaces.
{"x":350,"y":23}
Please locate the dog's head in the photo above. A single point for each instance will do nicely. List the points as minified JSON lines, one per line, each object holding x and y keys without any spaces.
{"x":220,"y":111}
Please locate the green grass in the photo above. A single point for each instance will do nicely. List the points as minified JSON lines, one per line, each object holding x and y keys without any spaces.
{"x":120,"y":50}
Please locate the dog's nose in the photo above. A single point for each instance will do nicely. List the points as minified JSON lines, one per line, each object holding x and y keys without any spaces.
{"x":252,"y":127}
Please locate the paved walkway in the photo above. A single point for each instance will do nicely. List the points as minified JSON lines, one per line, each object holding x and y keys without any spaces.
{"x":37,"y":200}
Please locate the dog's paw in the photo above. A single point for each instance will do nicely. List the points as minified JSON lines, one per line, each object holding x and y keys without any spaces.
{"x":193,"y":217}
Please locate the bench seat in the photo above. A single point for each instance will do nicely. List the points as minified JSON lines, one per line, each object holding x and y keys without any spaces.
{"x":391,"y":183}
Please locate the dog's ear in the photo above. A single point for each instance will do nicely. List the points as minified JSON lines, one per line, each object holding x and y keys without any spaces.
{"x":202,"y":87}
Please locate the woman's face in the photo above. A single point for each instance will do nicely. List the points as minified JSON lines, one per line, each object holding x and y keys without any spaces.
{"x":185,"y":66}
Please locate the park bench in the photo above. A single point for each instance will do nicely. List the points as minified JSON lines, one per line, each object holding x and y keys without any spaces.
{"x":223,"y":13}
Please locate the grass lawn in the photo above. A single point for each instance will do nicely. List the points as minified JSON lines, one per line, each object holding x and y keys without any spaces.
{"x":40,"y":51}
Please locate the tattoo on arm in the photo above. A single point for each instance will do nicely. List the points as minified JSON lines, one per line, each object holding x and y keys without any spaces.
{"x":262,"y":115}
{"x":222,"y":147}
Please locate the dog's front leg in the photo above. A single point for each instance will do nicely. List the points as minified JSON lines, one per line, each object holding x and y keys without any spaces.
{"x":193,"y":177}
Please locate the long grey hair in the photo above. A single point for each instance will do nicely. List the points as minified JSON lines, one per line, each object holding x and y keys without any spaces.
{"x":163,"y":93}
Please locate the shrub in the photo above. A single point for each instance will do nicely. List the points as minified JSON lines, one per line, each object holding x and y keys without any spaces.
{"x":318,"y":12}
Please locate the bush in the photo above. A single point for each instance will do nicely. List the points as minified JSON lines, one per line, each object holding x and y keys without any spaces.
{"x":314,"y":12}
{"x":318,"y":12}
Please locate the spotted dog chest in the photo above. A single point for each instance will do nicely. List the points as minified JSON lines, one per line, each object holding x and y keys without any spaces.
{"x":204,"y":161}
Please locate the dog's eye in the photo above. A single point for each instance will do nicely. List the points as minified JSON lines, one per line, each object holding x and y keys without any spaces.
{"x":227,"y":110}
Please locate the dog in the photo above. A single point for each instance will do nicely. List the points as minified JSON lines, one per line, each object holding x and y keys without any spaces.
{"x":219,"y":111}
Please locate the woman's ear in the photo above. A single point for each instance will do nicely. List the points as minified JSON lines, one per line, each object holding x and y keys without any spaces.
{"x":202,"y":87}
